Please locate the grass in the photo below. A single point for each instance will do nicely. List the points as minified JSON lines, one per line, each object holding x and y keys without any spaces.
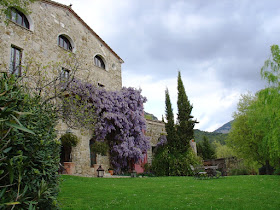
{"x":234,"y":192}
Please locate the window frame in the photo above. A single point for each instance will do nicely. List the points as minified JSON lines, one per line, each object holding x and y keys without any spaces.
{"x":64,"y":74}
{"x":15,"y":67}
{"x":19,"y":18}
{"x":65,"y":43}
{"x":93,"y":155}
{"x":99,"y":62}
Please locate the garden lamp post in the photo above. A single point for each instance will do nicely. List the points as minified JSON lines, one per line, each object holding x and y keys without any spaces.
{"x":133,"y":173}
{"x":100,"y":171}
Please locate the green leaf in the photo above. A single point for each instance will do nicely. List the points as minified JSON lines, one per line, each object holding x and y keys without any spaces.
{"x":16,"y":119}
{"x":7,"y":150}
{"x":2,"y":192}
{"x":19,"y":127}
{"x":1,"y":94}
{"x":23,"y":113}
{"x":31,"y":207}
{"x":12,"y":203}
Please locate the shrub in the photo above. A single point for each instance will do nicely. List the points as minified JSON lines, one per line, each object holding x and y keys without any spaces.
{"x":239,"y":171}
{"x":69,"y":140}
{"x":277,"y":171}
{"x":167,"y":164}
{"x":29,"y":177}
{"x":100,"y":147}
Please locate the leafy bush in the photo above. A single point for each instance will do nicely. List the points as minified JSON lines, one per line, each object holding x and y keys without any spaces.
{"x":147,"y":167}
{"x":277,"y":171}
{"x":160,"y":164}
{"x":29,"y":162}
{"x":167,"y":164}
{"x":100,"y":147}
{"x":239,"y":171}
{"x":69,"y":140}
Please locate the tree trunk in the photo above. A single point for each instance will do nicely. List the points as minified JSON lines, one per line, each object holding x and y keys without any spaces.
{"x":268,"y":168}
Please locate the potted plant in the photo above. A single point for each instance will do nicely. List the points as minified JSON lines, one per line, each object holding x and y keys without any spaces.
{"x":111,"y":171}
{"x":68,"y":140}
{"x":101,"y":148}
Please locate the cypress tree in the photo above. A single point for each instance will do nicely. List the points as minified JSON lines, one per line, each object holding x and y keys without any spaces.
{"x":169,"y":125}
{"x":185,"y":119}
{"x":208,"y":152}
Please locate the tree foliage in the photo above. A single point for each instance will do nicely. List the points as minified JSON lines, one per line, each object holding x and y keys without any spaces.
{"x":212,"y":136}
{"x":205,"y":149}
{"x":185,"y":120}
{"x":119,"y":119}
{"x":255,"y":133}
{"x":172,"y":156}
{"x":223,"y":150}
{"x":29,"y":154}
{"x":170,"y":125}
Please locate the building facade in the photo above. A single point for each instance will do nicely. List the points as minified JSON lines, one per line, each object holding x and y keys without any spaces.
{"x":49,"y":37}
{"x":48,"y":34}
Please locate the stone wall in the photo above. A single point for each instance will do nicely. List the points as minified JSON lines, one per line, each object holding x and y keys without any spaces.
{"x":81,"y":153}
{"x":39,"y":46}
{"x":48,"y":20}
{"x":154,"y":130}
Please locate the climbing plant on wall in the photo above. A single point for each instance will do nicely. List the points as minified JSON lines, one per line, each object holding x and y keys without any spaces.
{"x":119,"y":119}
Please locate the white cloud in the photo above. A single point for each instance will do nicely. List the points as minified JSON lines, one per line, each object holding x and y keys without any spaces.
{"x":209,"y":99}
{"x":219,"y":47}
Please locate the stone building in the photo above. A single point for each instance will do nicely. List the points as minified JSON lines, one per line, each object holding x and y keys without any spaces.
{"x":154,"y":130}
{"x":48,"y":35}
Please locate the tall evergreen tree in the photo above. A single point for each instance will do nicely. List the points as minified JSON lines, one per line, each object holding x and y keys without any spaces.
{"x":206,"y":149}
{"x":169,"y":125}
{"x":174,"y":158}
{"x":185,"y":119}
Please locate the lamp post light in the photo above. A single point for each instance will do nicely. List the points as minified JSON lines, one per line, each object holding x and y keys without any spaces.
{"x":100,"y":171}
{"x":133,"y":173}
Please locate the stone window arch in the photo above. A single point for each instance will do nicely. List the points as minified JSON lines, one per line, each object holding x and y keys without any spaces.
{"x":20,"y":18}
{"x":65,"y":42}
{"x":99,"y":61}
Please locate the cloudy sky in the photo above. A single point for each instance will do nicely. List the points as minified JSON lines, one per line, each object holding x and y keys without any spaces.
{"x":219,"y":46}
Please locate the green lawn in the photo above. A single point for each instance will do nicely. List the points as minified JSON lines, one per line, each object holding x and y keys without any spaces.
{"x":234,"y":192}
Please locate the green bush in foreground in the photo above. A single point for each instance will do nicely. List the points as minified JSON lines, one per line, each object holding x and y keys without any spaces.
{"x":29,"y":162}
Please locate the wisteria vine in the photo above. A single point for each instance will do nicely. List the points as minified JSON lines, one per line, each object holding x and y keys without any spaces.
{"x":120,"y":121}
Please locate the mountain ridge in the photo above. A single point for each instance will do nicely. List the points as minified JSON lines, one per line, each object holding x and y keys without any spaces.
{"x":224,"y":128}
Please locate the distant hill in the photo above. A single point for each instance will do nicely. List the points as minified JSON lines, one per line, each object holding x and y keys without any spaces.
{"x":149,"y":116}
{"x":225,"y":128}
{"x":212,"y":136}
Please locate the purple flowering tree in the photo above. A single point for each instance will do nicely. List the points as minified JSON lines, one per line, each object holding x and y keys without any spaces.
{"x":162,"y":140}
{"x":119,"y":121}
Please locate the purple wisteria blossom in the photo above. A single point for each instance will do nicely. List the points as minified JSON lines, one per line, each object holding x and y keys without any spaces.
{"x":120,"y":121}
{"x":161,"y":141}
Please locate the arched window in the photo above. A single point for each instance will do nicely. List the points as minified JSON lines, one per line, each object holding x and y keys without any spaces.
{"x":64,"y":42}
{"x":19,"y":18}
{"x":98,"y":61}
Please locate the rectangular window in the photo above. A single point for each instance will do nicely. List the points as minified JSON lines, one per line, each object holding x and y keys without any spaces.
{"x":15,"y":62}
{"x":92,"y":154}
{"x":64,"y":75}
